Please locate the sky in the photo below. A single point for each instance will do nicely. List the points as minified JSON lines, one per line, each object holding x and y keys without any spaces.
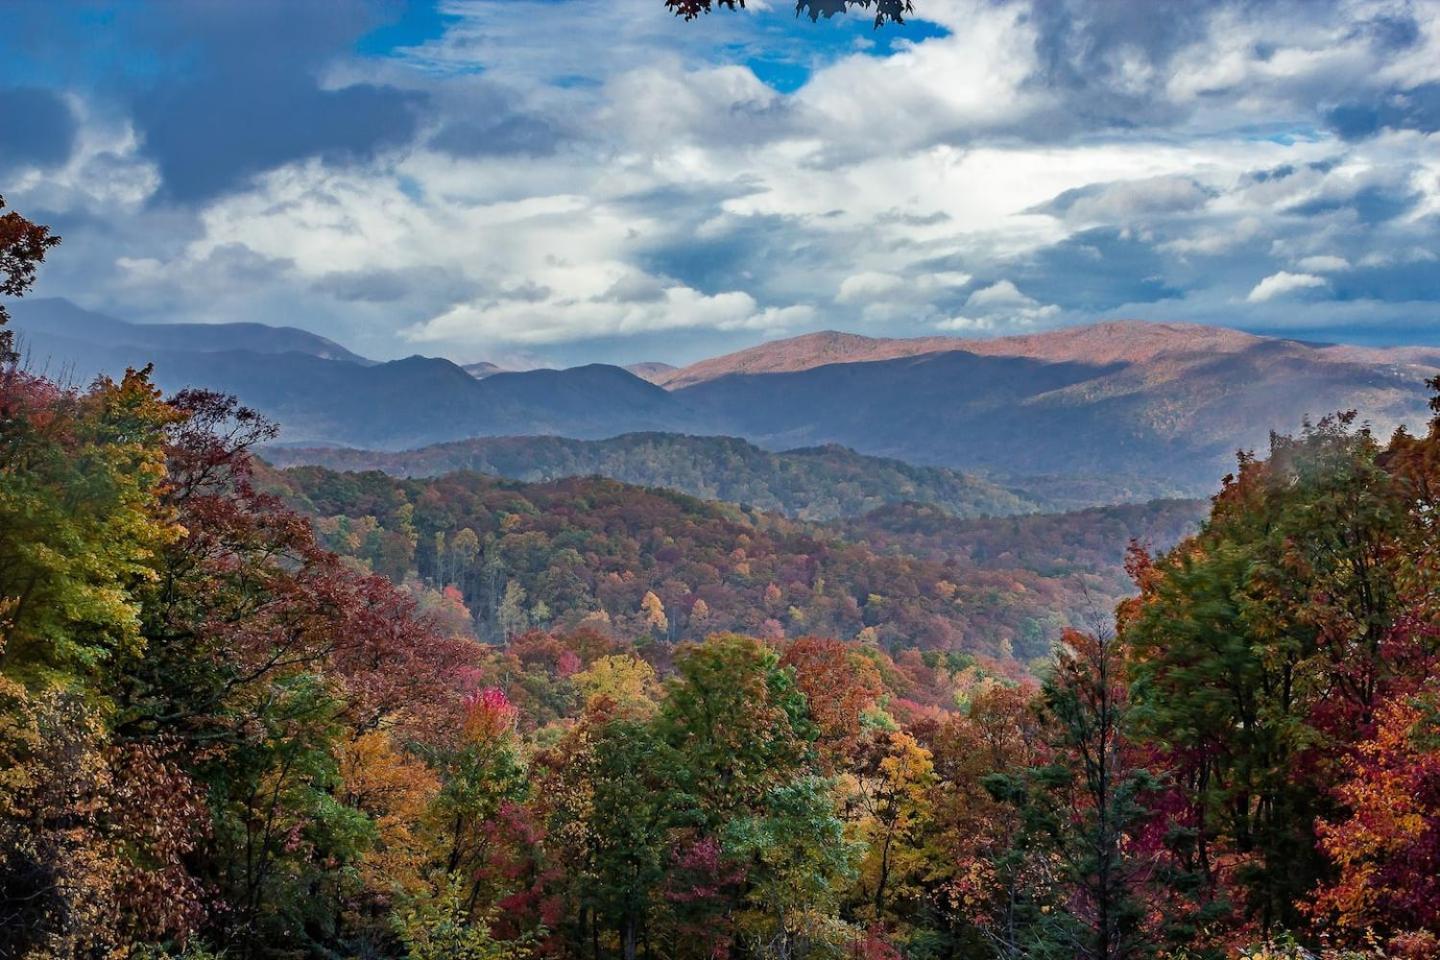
{"x":566,"y":181}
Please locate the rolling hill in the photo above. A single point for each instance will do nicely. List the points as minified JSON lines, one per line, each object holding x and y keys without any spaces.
{"x":818,"y":483}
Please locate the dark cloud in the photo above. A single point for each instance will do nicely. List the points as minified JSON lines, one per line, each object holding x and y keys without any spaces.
{"x":209,"y":141}
{"x":1094,"y":270}
{"x":636,"y":288}
{"x":36,"y":128}
{"x":665,"y":200}
{"x":239,"y":92}
{"x":498,"y":137}
{"x":369,"y":286}
{"x":748,"y":251}
{"x":527,"y":291}
{"x":1415,"y":109}
{"x":1417,"y":280}
{"x":1077,"y":43}
{"x":1370,"y":204}
{"x":1124,"y":200}
{"x":913,"y":219}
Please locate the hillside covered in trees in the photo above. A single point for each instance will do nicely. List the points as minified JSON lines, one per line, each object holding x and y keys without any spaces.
{"x":818,"y":483}
{"x":666,"y":567}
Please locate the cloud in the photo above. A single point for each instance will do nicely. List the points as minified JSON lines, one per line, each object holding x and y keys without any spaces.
{"x":1323,"y":263}
{"x":1002,"y":293}
{"x":1129,"y":200}
{"x":1414,"y":109}
{"x":558,"y":319}
{"x":868,"y":285}
{"x":222,"y":92}
{"x":961,"y":324}
{"x":523,"y":174}
{"x":999,"y":304}
{"x":41,"y":130}
{"x":1282,"y":283}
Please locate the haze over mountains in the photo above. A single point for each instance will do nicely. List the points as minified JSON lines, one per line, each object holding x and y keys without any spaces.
{"x":1156,"y":409}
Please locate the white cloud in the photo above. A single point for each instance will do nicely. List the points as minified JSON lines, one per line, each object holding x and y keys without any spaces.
{"x":868,"y":285}
{"x":962,"y":324}
{"x":1323,"y":263}
{"x":1002,"y":293}
{"x":1127,"y":201}
{"x":1282,"y":283}
{"x":563,"y":318}
{"x":999,"y":305}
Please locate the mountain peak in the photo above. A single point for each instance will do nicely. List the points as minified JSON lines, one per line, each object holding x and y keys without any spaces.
{"x":1111,"y":341}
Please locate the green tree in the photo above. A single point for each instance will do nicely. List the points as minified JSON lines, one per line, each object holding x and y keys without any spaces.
{"x":81,"y":521}
{"x":1257,"y":643}
{"x":799,"y":863}
{"x":1082,"y":815}
{"x":440,"y":927}
{"x":739,"y":724}
{"x":633,"y":808}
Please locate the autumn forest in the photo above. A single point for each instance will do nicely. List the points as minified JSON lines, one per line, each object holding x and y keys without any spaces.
{"x":250,"y":712}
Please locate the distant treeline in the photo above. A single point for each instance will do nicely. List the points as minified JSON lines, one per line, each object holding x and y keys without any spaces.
{"x":818,"y":483}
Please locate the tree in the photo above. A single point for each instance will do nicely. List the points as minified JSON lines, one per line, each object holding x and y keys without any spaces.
{"x":442,"y":928}
{"x":1387,"y":845}
{"x":634,"y":805}
{"x":892,"y":804}
{"x":1259,"y":652}
{"x":886,"y":11}
{"x":81,"y":521}
{"x":839,"y":686}
{"x":654,"y":613}
{"x":1084,"y":812}
{"x":620,"y":685}
{"x":982,"y":874}
{"x":514,"y":619}
{"x":738,"y":723}
{"x":23,"y":245}
{"x":798,"y":862}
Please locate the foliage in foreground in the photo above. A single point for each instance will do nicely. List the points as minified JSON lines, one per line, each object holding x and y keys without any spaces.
{"x":218,"y":735}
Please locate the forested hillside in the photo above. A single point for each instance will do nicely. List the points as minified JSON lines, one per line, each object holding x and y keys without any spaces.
{"x":819,"y":483}
{"x":664,"y":567}
{"x":1080,"y":543}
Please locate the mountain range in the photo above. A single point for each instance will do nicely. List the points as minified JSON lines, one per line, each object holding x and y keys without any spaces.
{"x":1122,"y":410}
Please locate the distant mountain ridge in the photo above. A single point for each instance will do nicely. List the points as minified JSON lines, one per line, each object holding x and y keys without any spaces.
{"x":482,"y":369}
{"x":818,"y":483}
{"x":652,"y":370}
{"x":1080,"y":415}
{"x":321,"y":393}
{"x":1114,"y":341}
{"x":44,"y":321}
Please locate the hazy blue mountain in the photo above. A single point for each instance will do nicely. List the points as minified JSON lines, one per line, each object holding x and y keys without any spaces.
{"x":50,"y":324}
{"x":1101,"y":413}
